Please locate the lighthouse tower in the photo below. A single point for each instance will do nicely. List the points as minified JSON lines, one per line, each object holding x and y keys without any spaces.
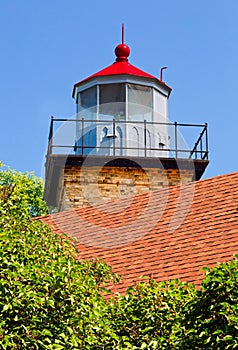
{"x":124,"y":143}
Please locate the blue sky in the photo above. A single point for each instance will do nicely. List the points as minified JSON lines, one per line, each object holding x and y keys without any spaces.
{"x":47,"y":46}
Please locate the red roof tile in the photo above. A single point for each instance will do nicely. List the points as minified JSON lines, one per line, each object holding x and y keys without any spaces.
{"x":168,"y":233}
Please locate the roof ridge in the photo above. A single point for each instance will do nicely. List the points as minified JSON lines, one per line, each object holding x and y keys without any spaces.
{"x":234,"y":173}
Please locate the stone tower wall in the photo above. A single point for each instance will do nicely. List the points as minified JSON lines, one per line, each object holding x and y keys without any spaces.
{"x":91,"y":185}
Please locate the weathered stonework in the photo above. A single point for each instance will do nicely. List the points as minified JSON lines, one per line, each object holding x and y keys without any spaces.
{"x":90,"y":185}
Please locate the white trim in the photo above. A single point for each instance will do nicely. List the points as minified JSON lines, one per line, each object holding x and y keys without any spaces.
{"x":97,"y":115}
{"x":121,"y":79}
{"x":126,"y":101}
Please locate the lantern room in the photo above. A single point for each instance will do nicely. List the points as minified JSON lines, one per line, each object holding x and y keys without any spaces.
{"x":122,"y":110}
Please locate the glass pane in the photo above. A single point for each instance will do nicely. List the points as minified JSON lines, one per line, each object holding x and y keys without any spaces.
{"x":87,"y":103}
{"x":139,"y":102}
{"x":85,"y":131}
{"x":160,"y":107}
{"x":112,"y":101}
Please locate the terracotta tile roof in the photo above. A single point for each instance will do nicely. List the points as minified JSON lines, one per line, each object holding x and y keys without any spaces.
{"x":168,"y":233}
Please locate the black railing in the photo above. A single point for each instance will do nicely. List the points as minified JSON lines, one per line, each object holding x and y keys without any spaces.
{"x":180,"y":144}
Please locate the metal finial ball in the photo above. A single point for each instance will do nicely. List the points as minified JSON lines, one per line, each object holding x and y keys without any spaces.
{"x":122,"y":52}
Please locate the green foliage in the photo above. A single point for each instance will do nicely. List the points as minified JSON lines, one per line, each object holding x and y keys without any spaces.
{"x":21,"y":193}
{"x":48,"y":298}
{"x":149,"y":315}
{"x":211,"y":319}
{"x":174,"y":315}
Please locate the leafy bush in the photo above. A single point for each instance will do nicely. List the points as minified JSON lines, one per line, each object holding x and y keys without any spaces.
{"x":149,"y":315}
{"x":48,"y":298}
{"x":211,"y":319}
{"x":21,"y":193}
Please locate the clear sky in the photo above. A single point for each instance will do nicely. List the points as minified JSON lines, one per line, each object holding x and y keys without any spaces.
{"x":48,"y":45}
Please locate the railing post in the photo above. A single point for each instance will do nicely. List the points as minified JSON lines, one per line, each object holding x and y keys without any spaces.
{"x":50,"y":138}
{"x":201,"y":150}
{"x":176,"y":138}
{"x":51,"y":128}
{"x":114,"y":136}
{"x":206,"y":141}
{"x":82,"y":138}
{"x":145,"y":136}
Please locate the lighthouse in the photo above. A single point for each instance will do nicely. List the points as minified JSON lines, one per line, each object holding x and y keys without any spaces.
{"x":123,"y":143}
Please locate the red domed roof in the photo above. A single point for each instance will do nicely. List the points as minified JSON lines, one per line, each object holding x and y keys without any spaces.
{"x":122,"y":67}
{"x":118,"y":68}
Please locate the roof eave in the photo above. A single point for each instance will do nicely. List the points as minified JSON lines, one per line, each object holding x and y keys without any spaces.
{"x":89,"y":79}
